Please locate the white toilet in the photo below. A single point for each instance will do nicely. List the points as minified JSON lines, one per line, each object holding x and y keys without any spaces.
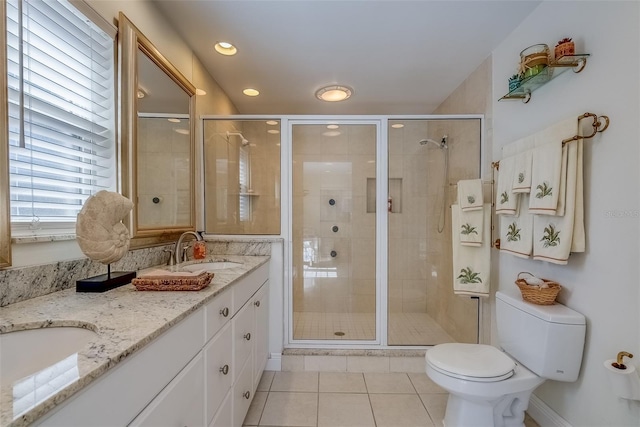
{"x":491,"y":388}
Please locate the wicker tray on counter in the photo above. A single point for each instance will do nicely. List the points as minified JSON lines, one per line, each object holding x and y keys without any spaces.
{"x":195,"y":283}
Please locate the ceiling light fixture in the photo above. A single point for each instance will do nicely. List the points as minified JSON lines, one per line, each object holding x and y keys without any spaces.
{"x":251,"y":92}
{"x":272,"y":122}
{"x":225,"y":48}
{"x":332,"y":126}
{"x":331,"y":133}
{"x":174,"y":120}
{"x":273,"y":131}
{"x":201,"y":92}
{"x":334,"y":93}
{"x":397,"y":125}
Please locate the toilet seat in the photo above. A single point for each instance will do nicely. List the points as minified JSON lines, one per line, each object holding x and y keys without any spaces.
{"x":471,"y":362}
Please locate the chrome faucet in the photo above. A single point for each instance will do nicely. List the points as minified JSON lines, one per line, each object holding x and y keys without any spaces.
{"x":179,"y":252}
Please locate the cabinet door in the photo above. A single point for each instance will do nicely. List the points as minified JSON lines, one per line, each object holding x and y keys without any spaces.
{"x":242,"y":394}
{"x":219,"y":372}
{"x":261,"y":343}
{"x":181,"y":403}
{"x":243,"y":337}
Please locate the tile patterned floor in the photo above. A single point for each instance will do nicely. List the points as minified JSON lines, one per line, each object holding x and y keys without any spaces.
{"x":404,"y":328}
{"x":342,"y":399}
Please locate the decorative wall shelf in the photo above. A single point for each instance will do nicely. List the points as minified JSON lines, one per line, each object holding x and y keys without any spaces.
{"x":554,"y":69}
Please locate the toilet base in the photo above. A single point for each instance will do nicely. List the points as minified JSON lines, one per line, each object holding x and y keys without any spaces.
{"x":505,"y":411}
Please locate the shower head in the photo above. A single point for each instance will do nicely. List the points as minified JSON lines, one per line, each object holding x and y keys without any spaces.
{"x":244,"y":141}
{"x":441,"y":144}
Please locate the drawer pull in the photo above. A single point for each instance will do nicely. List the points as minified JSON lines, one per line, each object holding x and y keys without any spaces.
{"x":247,"y":395}
{"x":257,"y":303}
{"x":225,"y":312}
{"x":247,"y":336}
{"x":224,"y":369}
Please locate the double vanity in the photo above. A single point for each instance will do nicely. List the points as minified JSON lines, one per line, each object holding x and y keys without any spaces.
{"x":128,"y":357}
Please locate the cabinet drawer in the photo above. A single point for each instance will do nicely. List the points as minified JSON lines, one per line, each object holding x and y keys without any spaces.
{"x":242,"y":394}
{"x":248,"y":285}
{"x":219,"y":370}
{"x":181,"y":403}
{"x":243,"y":338}
{"x":224,"y":417}
{"x":218,"y":313}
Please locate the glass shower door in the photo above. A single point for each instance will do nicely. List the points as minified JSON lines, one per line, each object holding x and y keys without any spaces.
{"x":334,"y":231}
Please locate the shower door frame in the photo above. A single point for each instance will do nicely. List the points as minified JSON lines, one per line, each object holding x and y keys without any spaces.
{"x":382,"y":221}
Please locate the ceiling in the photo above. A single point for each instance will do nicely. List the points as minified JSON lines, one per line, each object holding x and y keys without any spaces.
{"x":400,"y":57}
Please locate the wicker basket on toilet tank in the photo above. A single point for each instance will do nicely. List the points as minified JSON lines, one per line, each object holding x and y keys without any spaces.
{"x":538,"y":294}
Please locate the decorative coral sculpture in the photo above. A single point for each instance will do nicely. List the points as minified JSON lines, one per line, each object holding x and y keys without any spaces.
{"x":100,"y":232}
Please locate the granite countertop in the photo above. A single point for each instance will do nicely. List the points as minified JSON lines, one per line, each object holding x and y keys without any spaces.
{"x":124,"y":319}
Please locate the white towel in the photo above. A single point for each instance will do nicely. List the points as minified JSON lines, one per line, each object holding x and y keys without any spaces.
{"x":472,"y":227}
{"x":545,"y":178}
{"x":553,"y":236}
{"x":470,"y":194}
{"x":549,"y":167}
{"x":506,"y":200}
{"x":522,"y":172}
{"x":516,"y":231}
{"x":471,"y":265}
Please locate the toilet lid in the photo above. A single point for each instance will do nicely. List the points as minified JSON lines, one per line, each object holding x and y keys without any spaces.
{"x":473,"y":362}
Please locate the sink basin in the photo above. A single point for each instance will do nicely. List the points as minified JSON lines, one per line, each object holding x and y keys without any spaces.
{"x":23,"y":353}
{"x":211,"y":266}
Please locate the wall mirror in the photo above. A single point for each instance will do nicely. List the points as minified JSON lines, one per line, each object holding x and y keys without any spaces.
{"x":157,"y":107}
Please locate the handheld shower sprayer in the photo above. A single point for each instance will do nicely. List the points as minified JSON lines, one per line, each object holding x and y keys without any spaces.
{"x":441,"y":144}
{"x":244,"y":141}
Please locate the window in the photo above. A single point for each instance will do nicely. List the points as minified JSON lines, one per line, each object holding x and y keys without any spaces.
{"x":60,"y":73}
{"x":244,"y":179}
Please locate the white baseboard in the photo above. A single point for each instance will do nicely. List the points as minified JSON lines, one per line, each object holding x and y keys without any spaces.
{"x":274,"y":362}
{"x":544,"y":415}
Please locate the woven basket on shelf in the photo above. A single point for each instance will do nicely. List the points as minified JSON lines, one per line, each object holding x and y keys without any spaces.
{"x":536,"y":294}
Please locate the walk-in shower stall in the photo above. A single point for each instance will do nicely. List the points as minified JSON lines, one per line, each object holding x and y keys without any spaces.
{"x":367,"y":226}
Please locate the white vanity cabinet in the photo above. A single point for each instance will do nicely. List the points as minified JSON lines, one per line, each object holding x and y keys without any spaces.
{"x":200,"y":372}
{"x":248,"y":353}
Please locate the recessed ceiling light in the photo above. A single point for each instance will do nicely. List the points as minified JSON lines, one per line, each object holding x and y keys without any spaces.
{"x":272,"y":122}
{"x":334,"y":93}
{"x":201,"y":92}
{"x":225,"y":48}
{"x":251,"y":92}
{"x":397,"y":125}
{"x":174,"y":120}
{"x":331,"y":133}
{"x":273,"y":131}
{"x":332,"y":126}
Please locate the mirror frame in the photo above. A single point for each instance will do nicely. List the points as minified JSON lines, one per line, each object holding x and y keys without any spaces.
{"x":5,"y":198}
{"x":130,"y":40}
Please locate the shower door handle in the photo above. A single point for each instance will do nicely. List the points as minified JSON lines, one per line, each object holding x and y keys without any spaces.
{"x":334,"y":254}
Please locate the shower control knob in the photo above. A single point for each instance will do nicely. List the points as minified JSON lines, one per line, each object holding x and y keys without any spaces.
{"x":334,"y":254}
{"x":332,"y":202}
{"x":335,"y":228}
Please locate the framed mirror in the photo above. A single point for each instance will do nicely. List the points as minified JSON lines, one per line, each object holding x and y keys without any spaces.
{"x":157,"y":119}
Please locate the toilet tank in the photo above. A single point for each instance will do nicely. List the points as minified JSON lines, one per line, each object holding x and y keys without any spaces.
{"x":547,"y":339}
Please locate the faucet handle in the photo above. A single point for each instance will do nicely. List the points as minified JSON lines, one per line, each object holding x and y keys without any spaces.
{"x":171,"y":260}
{"x":184,"y":256}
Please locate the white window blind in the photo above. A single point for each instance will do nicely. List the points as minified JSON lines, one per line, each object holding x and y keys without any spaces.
{"x":61,"y":110}
{"x":245,"y":199}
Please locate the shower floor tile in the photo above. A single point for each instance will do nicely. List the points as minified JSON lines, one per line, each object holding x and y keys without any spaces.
{"x":404,"y":328}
